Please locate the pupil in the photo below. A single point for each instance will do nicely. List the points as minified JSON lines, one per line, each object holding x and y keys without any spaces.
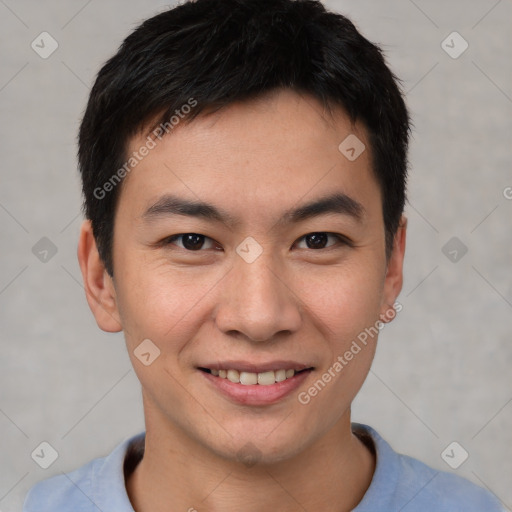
{"x":192,"y":241}
{"x":316,"y":240}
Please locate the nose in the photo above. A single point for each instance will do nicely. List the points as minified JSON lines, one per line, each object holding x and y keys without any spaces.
{"x":257,"y":302}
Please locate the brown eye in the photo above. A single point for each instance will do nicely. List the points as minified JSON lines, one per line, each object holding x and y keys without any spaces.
{"x":190,"y":241}
{"x":319,"y":240}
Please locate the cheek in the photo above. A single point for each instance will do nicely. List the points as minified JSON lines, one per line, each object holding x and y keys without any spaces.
{"x":346,"y":306}
{"x":162,"y":303}
{"x":343,"y":300}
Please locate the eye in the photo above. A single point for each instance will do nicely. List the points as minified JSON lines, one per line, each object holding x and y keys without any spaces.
{"x":190,"y":241}
{"x":194,"y":242}
{"x":319,"y":240}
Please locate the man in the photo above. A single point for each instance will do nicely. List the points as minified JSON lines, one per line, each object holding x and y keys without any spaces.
{"x":244,"y":169}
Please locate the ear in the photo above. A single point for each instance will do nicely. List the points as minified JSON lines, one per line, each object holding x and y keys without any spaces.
{"x":394,"y":274}
{"x":99,"y":287}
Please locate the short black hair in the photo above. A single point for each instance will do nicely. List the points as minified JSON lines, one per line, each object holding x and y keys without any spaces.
{"x":212,"y":53}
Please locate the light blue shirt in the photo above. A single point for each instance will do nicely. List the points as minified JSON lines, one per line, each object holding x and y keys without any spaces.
{"x":400,"y":483}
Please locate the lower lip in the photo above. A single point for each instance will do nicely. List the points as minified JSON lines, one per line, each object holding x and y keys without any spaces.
{"x":256,"y":394}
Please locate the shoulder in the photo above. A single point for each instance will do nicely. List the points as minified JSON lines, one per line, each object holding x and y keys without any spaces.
{"x":403,"y":483}
{"x":67,"y":489}
{"x":424,"y":486}
{"x":97,"y":485}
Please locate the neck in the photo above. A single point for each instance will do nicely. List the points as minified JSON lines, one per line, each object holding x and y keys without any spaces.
{"x":332,"y":474}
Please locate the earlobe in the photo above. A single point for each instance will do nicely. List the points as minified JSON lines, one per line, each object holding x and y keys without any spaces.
{"x":99,"y":287}
{"x":394,"y":274}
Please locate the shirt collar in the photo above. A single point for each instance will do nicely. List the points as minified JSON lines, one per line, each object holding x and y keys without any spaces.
{"x":108,"y":479}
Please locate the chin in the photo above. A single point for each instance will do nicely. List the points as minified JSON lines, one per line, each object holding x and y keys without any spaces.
{"x":265,"y":447}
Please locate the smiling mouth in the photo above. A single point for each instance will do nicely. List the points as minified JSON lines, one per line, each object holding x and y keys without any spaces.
{"x":250,"y":378}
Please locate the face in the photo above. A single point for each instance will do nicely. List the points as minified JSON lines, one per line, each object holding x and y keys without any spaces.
{"x":259,"y":282}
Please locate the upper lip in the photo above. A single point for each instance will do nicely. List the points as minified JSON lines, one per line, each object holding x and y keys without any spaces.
{"x":246,"y":366}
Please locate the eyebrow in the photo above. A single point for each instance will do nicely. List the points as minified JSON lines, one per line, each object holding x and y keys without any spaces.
{"x":337,"y":203}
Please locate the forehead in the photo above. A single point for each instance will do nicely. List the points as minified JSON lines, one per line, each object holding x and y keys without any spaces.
{"x":277,"y":150}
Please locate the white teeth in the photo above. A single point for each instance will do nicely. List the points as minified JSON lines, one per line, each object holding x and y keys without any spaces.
{"x":233,"y":376}
{"x":250,"y":378}
{"x":280,"y":375}
{"x":266,"y":378}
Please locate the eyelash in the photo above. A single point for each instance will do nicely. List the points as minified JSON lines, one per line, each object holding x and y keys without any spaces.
{"x":342,"y":240}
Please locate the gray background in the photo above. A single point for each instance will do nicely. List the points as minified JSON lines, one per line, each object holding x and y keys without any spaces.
{"x":442,"y":370}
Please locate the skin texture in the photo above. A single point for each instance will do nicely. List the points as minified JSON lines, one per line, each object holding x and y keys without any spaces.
{"x":292,"y":303}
